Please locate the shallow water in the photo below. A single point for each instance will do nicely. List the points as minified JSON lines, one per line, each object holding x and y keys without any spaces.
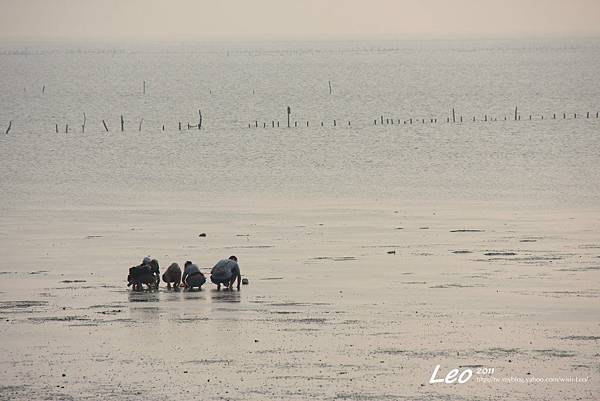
{"x":373,"y":253}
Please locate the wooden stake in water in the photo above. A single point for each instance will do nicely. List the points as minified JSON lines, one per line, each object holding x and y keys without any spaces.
{"x":199,"y":119}
{"x":515,"y":113}
{"x":66,"y":128}
{"x":289,"y":111}
{"x":144,"y":90}
{"x":140,"y":127}
{"x":83,"y":125}
{"x":330,"y":91}
{"x":105,"y":127}
{"x":453,"y":116}
{"x":122,"y":123}
{"x":56,"y":128}
{"x":9,"y":127}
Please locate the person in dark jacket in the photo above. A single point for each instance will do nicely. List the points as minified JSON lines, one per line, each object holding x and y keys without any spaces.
{"x":192,"y":276}
{"x":172,"y":275}
{"x":148,"y":272}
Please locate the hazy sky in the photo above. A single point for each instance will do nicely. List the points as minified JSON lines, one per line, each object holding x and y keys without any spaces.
{"x":294,"y":19}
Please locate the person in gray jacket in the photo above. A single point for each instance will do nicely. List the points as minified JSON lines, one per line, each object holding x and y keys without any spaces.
{"x":226,"y":272}
{"x":192,"y":277}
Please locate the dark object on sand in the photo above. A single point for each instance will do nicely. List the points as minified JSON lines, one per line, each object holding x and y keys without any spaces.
{"x":202,"y":235}
{"x":172,"y":275}
{"x":147,"y":273}
{"x":245,"y":281}
{"x":391,"y":252}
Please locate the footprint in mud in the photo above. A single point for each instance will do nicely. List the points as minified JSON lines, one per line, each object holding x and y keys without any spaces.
{"x":581,"y":338}
{"x":555,"y":353}
{"x":457,"y":286}
{"x":579,"y":269}
{"x":332,"y":258}
{"x":209,"y":362}
{"x":58,"y":319}
{"x":20,"y":306}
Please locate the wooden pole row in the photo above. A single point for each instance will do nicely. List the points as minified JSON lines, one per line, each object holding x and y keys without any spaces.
{"x":486,"y":118}
{"x":105,"y":126}
{"x":122,"y":123}
{"x":275,"y":124}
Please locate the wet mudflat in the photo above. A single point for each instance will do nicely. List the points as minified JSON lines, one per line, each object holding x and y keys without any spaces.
{"x":329,"y":314}
{"x":374,"y":252}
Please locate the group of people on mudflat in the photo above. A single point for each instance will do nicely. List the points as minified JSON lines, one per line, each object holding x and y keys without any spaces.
{"x":225,"y":272}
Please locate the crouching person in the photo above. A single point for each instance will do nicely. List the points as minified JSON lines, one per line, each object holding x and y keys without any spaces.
{"x":172,"y":275}
{"x":192,"y":277}
{"x":226,"y":272}
{"x":146,"y":273}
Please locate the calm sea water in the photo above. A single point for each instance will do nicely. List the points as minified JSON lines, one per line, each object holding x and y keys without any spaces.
{"x":553,"y":162}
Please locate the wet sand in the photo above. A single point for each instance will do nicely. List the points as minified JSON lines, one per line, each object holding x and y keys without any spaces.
{"x":345,"y":302}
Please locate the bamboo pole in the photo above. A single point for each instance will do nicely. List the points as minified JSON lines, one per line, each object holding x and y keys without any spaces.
{"x":9,"y":127}
{"x":105,"y":127}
